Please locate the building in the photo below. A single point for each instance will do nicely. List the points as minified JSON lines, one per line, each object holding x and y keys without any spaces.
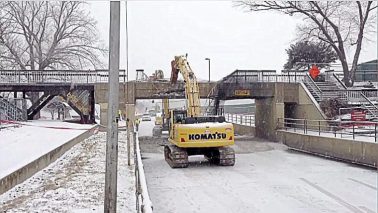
{"x":367,"y":71}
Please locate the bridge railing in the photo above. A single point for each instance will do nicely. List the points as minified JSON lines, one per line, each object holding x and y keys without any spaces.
{"x":248,"y":120}
{"x":143,"y":201}
{"x":364,"y":130}
{"x":57,"y":76}
{"x":246,"y":76}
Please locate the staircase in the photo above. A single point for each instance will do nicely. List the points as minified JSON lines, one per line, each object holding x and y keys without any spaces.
{"x":10,"y":111}
{"x":372,"y":109}
{"x":324,"y":90}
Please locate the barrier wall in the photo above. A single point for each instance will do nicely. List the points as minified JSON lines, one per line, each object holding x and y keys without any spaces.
{"x":244,"y":130}
{"x":359,"y":152}
{"x":35,"y":166}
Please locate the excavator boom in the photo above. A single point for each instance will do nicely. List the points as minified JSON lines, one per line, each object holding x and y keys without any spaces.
{"x":181,"y":65}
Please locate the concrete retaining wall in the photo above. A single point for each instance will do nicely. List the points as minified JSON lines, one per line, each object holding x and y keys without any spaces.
{"x":244,"y":130}
{"x":358,"y":152}
{"x":30,"y":169}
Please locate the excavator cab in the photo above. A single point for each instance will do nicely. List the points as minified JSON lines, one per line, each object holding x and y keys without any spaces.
{"x":179,"y":116}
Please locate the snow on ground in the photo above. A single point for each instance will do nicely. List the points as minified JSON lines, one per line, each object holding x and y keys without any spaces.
{"x":266,"y":178}
{"x":75,"y":182}
{"x":21,"y":145}
{"x":347,"y":135}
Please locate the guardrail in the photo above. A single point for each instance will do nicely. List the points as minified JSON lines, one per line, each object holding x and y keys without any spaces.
{"x":57,"y":76}
{"x":327,"y":127}
{"x":143,"y":202}
{"x":248,"y":120}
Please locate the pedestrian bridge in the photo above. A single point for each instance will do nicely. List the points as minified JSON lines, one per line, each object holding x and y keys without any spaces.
{"x":278,"y":96}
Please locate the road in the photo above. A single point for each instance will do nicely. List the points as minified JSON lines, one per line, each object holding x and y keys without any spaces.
{"x":266,"y":178}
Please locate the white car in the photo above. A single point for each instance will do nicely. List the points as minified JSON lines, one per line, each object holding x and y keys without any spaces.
{"x":146,"y":118}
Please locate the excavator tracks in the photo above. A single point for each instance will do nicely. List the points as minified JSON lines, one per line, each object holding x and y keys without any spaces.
{"x":176,"y":157}
{"x":222,"y":156}
{"x":226,"y":156}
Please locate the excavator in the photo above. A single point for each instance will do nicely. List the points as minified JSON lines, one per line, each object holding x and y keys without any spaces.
{"x":190,"y":133}
{"x":161,"y":122}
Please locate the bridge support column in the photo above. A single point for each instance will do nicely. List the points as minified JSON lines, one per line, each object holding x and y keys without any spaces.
{"x":130,"y":112}
{"x":268,"y":110}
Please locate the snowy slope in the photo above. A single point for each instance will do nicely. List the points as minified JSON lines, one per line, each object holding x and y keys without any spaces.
{"x":74,"y":183}
{"x":19,"y":146}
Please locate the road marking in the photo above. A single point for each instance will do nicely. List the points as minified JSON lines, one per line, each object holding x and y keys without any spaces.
{"x":329,"y":194}
{"x":365,"y":184}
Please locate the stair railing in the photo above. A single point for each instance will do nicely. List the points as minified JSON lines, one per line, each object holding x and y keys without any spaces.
{"x":371,"y":104}
{"x":339,"y":81}
{"x":308,"y":80}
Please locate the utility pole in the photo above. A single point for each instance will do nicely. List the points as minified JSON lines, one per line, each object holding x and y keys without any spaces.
{"x":110,"y":201}
{"x":208,"y":59}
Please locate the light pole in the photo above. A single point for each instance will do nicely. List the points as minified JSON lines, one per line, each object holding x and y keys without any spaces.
{"x":208,"y":59}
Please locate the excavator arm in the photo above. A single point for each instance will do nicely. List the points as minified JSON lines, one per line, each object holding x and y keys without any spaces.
{"x":181,"y":65}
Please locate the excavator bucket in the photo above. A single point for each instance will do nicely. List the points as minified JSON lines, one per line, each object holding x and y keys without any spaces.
{"x":174,"y":72}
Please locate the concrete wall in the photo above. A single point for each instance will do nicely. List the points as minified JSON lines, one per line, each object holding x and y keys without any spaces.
{"x":30,"y":169}
{"x":359,"y":152}
{"x":268,"y":110}
{"x":244,"y":130}
{"x":307,"y":107}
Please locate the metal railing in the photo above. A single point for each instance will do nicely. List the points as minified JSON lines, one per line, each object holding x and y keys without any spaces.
{"x":247,"y":76}
{"x":143,"y":202}
{"x":370,"y":106}
{"x":57,"y":76}
{"x":13,"y":109}
{"x":248,"y":120}
{"x":309,"y":82}
{"x":343,"y":129}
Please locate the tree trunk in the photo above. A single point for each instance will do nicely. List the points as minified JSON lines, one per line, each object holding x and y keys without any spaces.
{"x":347,"y":78}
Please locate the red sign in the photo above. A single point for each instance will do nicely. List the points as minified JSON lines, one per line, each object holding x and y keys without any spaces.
{"x":358,"y":115}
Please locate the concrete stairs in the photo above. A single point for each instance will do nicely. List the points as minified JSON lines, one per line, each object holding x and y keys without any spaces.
{"x":324,"y":90}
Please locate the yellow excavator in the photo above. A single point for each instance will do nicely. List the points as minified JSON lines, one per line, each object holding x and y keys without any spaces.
{"x":193,"y":134}
{"x":161,"y":122}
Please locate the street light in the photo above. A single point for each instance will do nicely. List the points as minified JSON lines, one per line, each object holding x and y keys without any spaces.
{"x":208,"y":59}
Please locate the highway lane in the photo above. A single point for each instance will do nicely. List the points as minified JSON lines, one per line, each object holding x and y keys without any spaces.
{"x":266,"y":178}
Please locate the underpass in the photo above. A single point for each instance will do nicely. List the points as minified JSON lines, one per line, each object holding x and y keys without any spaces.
{"x":267,"y":177}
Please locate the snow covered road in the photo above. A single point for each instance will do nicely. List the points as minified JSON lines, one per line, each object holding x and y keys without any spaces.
{"x":266,"y":178}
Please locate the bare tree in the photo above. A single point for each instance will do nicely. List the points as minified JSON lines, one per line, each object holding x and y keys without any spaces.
{"x":48,"y":35}
{"x":340,"y":24}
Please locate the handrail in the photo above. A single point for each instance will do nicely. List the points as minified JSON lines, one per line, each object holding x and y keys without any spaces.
{"x":338,"y":80}
{"x":336,"y":127}
{"x":142,"y":190}
{"x":317,"y":90}
{"x":371,"y":103}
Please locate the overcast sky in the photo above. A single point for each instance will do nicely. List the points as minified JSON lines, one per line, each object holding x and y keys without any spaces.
{"x":230,"y":37}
